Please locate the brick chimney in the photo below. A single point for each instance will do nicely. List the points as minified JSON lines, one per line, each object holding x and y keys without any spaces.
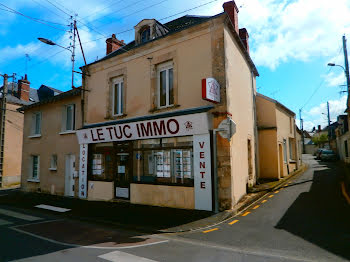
{"x":113,"y":44}
{"x":243,"y":35}
{"x":23,"y":89}
{"x":232,"y":11}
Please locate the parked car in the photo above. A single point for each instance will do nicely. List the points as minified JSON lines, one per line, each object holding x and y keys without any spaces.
{"x":328,"y":155}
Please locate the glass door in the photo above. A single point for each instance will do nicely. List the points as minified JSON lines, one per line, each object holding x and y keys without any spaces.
{"x":123,"y":173}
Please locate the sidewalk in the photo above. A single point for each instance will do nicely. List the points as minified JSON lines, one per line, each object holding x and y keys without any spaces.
{"x":143,"y":218}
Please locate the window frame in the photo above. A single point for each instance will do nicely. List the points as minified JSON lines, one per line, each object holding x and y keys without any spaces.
{"x":118,"y":83}
{"x":31,"y":169}
{"x":34,"y":124}
{"x":285,"y":152}
{"x":160,"y":68}
{"x":53,"y":167}
{"x":142,"y":31}
{"x":65,"y":117}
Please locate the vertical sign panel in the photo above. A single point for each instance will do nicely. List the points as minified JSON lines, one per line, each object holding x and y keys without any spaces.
{"x":202,"y":172}
{"x":83,"y":170}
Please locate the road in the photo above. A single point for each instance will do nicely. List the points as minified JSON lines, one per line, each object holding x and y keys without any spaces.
{"x":308,"y":220}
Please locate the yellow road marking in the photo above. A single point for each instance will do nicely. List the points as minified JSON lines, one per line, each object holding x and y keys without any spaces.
{"x":233,"y":222}
{"x":210,"y":230}
{"x":246,"y":213}
{"x":264,"y":201}
{"x":276,"y":192}
{"x":271,"y":196}
{"x":256,"y":207}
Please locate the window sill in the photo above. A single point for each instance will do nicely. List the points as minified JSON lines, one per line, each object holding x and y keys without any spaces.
{"x":67,"y":132}
{"x":292,"y":161}
{"x":116,"y":117}
{"x":162,"y":109}
{"x":35,"y":136}
{"x":52,"y":169}
{"x":33,"y":180}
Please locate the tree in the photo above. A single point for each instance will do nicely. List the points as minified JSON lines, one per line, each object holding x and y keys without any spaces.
{"x":320,"y":140}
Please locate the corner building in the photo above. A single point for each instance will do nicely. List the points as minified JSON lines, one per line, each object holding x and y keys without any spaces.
{"x":150,"y":108}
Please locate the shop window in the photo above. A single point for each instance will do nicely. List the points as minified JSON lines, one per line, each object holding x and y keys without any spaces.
{"x":165,"y":85}
{"x":53,"y":162}
{"x":36,"y":124}
{"x":118,"y":97}
{"x":35,"y":167}
{"x":68,"y":118}
{"x":101,"y":162}
{"x":163,"y":161}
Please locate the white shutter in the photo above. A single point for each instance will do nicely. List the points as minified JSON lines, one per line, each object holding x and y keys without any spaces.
{"x":64,"y":115}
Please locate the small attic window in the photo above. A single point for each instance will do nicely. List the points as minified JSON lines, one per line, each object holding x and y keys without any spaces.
{"x":145,"y":34}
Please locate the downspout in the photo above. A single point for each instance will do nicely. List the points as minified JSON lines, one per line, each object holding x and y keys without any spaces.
{"x":256,"y":140}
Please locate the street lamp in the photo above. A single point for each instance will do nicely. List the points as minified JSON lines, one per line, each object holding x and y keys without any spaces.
{"x":346,"y":71}
{"x":50,"y":42}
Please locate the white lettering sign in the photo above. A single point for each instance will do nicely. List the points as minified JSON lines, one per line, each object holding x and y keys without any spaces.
{"x":83,"y":170}
{"x":202,"y":172}
{"x":211,"y":90}
{"x":165,"y":127}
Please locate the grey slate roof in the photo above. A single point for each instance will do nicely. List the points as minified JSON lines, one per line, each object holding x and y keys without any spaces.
{"x":174,"y":26}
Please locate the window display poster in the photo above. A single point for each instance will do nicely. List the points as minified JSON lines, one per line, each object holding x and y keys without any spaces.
{"x":121,"y":169}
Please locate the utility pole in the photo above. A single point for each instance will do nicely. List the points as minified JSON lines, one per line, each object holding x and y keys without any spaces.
{"x":302,"y":131}
{"x":2,"y":122}
{"x":329,"y":126}
{"x":73,"y":30}
{"x":346,"y":63}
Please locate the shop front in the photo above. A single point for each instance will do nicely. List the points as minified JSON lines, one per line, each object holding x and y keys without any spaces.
{"x":164,"y":160}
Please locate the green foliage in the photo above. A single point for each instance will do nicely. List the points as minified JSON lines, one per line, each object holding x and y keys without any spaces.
{"x":320,"y":140}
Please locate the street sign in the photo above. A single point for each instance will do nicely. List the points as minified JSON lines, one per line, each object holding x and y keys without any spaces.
{"x":227,"y":128}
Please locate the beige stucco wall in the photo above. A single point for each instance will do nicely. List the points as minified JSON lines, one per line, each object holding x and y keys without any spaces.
{"x":284,"y":132}
{"x":13,"y":146}
{"x":240,"y":89}
{"x":341,"y":147}
{"x":51,"y":142}
{"x":190,"y":50}
{"x":167,"y":196}
{"x":99,"y":190}
{"x":268,"y":158}
{"x":272,"y":116}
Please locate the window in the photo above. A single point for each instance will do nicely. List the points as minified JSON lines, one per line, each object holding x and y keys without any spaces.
{"x":165,"y":85}
{"x":346,"y":148}
{"x":163,"y":161}
{"x":291,"y":148}
{"x":118,"y":93}
{"x":36,"y":124}
{"x":145,"y":35}
{"x":68,"y":120}
{"x":285,"y":151}
{"x":35,"y":167}
{"x":53,"y":163}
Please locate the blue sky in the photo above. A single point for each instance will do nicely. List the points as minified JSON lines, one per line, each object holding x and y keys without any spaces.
{"x":291,"y":42}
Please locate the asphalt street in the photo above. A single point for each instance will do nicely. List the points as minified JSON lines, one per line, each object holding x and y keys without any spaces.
{"x":305,"y":221}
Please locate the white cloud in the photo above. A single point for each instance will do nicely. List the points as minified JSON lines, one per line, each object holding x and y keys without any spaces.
{"x":297,"y":30}
{"x":335,"y":80}
{"x":318,"y":114}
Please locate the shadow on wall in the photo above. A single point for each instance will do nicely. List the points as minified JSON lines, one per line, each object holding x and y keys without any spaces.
{"x":321,"y":216}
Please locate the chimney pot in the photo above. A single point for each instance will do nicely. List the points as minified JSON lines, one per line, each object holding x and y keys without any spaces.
{"x":23,"y":88}
{"x":244,"y":36}
{"x":113,"y":44}
{"x":231,"y":10}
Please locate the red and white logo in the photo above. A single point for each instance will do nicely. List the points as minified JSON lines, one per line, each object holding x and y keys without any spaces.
{"x":211,"y":90}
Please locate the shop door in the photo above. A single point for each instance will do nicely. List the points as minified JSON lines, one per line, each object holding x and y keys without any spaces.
{"x":123,"y":176}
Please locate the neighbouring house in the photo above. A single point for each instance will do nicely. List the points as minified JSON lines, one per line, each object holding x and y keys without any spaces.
{"x":343,"y":138}
{"x":152,"y":106}
{"x":50,"y":148}
{"x":18,"y":94}
{"x":278,"y":147}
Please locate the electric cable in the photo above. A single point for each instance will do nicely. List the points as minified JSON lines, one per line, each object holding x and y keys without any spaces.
{"x":33,"y":19}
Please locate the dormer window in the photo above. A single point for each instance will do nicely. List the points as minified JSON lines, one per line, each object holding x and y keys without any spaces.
{"x":145,"y":34}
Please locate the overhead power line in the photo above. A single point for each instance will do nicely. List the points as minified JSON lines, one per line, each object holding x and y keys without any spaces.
{"x":58,"y":8}
{"x":40,"y":4}
{"x":41,"y":21}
